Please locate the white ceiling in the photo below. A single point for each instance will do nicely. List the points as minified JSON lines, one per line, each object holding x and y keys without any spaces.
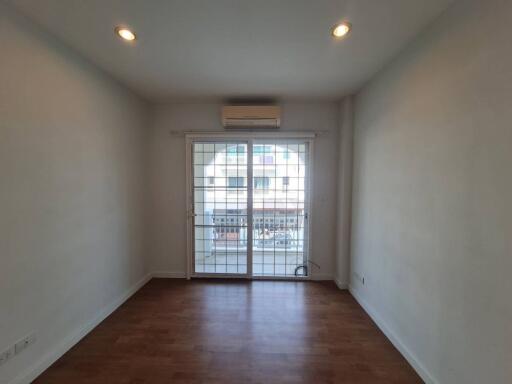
{"x":236,"y":48}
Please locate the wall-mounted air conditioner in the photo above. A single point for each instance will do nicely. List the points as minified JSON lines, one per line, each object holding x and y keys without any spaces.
{"x":251,"y":116}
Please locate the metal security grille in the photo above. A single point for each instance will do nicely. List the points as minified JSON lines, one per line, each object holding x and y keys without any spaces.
{"x":279,"y":208}
{"x":249,"y":207}
{"x":220,"y":207}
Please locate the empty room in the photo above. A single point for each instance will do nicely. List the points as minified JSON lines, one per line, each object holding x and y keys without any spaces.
{"x":255,"y":191}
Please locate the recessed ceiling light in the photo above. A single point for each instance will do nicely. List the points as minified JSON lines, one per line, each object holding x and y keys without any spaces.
{"x":125,"y":34}
{"x":341,"y":30}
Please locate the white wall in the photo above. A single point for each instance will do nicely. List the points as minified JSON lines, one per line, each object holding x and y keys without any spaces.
{"x":432,"y":208}
{"x":72,"y":157}
{"x":344,"y":197}
{"x":167,"y":238}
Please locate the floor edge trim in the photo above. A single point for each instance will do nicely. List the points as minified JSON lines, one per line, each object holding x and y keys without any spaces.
{"x":393,"y":338}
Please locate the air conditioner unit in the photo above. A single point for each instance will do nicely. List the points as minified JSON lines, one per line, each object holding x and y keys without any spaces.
{"x":251,"y":116}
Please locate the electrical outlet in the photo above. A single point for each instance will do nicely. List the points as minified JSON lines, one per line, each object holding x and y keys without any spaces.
{"x":17,"y":348}
{"x":25,"y":342}
{"x":359,"y":278}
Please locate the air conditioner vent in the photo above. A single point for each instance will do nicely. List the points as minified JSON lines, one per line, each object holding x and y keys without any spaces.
{"x":245,"y":116}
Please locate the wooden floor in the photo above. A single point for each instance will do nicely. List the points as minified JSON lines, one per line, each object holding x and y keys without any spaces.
{"x":218,"y":331}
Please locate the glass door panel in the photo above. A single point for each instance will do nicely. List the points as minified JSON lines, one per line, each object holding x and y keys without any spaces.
{"x":220,"y":207}
{"x":280,"y":172}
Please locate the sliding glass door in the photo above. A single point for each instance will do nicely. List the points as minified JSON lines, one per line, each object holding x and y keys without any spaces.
{"x":220,"y":207}
{"x":279,"y":203}
{"x":249,"y":207}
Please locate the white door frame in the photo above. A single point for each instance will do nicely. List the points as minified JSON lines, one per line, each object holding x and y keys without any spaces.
{"x":249,"y":138}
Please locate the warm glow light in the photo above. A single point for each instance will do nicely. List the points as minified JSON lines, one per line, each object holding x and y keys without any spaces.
{"x":125,"y":33}
{"x":341,"y":30}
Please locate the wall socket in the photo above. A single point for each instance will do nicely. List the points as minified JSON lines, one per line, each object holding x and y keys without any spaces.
{"x":25,"y":342}
{"x":359,"y":278}
{"x":17,"y":348}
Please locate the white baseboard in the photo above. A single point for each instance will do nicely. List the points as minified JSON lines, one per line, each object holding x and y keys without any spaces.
{"x":33,"y":371}
{"x":418,"y":367}
{"x":321,"y":276}
{"x":183,"y":275}
{"x":341,"y":285}
{"x":169,"y":275}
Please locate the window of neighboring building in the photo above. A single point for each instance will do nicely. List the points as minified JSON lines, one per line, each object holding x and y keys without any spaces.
{"x":267,"y":160}
{"x":260,"y":149}
{"x":235,"y":182}
{"x":261,"y":182}
{"x":211,"y":180}
{"x":286,"y":181}
{"x":236,"y":149}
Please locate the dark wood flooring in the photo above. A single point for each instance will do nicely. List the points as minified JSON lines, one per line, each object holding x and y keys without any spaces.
{"x":232,"y":331}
